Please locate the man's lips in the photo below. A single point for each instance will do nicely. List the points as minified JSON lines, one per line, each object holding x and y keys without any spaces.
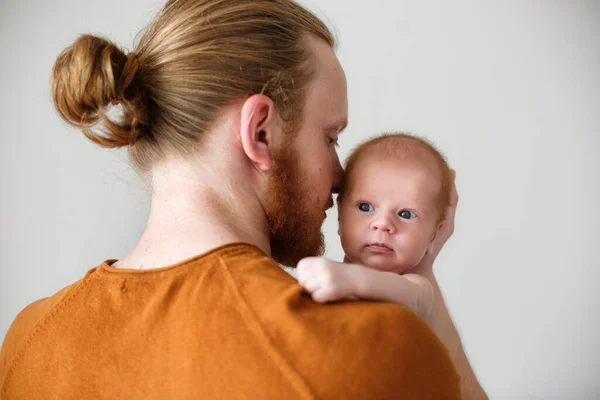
{"x":379,"y":247}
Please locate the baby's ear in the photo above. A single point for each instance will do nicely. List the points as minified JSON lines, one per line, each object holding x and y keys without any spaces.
{"x":432,"y":241}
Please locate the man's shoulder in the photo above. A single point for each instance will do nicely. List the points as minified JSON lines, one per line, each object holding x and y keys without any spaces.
{"x":358,"y":348}
{"x":357,"y":324}
{"x":26,"y":325}
{"x":279,"y":303}
{"x":371,"y":349}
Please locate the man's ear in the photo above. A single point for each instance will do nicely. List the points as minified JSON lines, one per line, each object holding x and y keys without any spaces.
{"x":258,"y":124}
{"x":432,"y":241}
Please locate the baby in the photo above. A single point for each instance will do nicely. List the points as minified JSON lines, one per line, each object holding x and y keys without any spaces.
{"x":391,"y":206}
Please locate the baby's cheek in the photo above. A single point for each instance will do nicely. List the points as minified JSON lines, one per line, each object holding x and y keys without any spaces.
{"x":414,"y":252}
{"x":350,"y":243}
{"x":411,"y":259}
{"x":347,"y":240}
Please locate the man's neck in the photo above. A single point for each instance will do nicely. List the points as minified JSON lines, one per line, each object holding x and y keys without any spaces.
{"x":188,"y":219}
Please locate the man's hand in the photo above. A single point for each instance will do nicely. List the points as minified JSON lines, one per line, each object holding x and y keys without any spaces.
{"x":439,"y":318}
{"x":328,"y":280}
{"x":425,"y":266}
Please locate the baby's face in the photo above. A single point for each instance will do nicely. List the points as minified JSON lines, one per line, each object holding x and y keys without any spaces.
{"x":388,"y":219}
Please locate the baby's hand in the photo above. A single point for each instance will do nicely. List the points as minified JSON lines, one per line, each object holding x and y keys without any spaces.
{"x":328,"y":280}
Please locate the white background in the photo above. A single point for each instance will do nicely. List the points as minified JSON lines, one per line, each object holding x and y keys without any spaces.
{"x":510,"y":91}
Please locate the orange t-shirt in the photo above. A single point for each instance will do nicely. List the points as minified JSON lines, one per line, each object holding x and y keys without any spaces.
{"x":228,"y":324}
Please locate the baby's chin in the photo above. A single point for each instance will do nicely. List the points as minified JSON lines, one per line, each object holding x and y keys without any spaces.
{"x":383,"y":262}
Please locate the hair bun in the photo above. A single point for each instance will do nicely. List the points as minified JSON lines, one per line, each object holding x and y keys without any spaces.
{"x":85,"y":83}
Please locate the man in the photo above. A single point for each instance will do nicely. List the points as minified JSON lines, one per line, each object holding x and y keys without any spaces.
{"x":243,"y":166}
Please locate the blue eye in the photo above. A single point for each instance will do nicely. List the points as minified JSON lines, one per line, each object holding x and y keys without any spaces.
{"x":407,"y":214}
{"x":365,"y":207}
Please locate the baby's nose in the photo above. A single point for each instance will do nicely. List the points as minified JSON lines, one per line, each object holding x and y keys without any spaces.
{"x":382,"y":224}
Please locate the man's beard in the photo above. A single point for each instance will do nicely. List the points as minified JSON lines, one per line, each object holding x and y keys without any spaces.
{"x":294,"y":223}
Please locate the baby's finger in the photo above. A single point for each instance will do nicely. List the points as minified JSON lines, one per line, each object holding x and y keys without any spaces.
{"x":304,"y":269}
{"x":308,"y":265}
{"x":305,"y":263}
{"x":309,"y":282}
{"x":322,"y":295}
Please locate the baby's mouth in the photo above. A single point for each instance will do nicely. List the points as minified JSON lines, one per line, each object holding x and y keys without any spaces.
{"x":380,"y":247}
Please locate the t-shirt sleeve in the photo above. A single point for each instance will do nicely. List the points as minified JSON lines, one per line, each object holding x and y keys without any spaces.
{"x":371,"y":350}
{"x":23,"y":328}
{"x":397,"y":355}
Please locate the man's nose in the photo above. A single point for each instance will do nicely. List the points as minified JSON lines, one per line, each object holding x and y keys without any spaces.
{"x":338,"y":174}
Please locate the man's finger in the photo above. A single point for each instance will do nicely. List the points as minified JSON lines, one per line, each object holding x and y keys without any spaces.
{"x":453,"y":192}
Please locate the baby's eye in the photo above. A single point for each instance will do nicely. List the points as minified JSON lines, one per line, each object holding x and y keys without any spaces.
{"x":366,"y":207}
{"x":407,"y":214}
